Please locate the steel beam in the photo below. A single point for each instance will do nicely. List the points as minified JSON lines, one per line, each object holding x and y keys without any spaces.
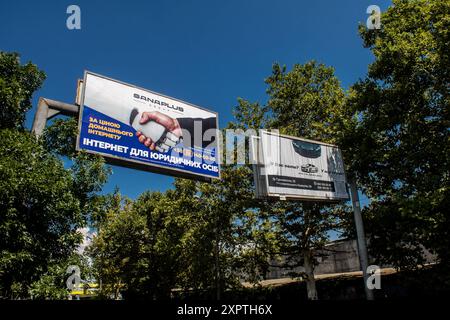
{"x":48,"y":109}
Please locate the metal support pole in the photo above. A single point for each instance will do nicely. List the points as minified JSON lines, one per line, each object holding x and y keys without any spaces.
{"x":40,"y":117}
{"x":361,"y":238}
{"x":218,"y":289}
{"x":48,"y":109}
{"x":217,"y":257}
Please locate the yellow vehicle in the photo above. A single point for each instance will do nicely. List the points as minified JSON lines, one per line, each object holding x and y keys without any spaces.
{"x":85,"y":290}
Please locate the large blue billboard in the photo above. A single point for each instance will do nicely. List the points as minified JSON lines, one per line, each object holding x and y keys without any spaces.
{"x":143,"y":129}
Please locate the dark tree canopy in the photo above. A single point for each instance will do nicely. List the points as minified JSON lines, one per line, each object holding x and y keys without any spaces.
{"x":39,"y":211}
{"x":17,"y":85}
{"x":400,"y":147}
{"x":42,"y":204}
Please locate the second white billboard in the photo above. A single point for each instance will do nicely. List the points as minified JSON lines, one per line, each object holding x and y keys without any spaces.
{"x":298,"y":168}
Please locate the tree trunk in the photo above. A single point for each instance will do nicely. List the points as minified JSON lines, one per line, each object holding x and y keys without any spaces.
{"x":309,"y":270}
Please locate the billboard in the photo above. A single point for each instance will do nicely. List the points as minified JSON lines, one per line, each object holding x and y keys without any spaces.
{"x":290,"y":167}
{"x":142,"y":129}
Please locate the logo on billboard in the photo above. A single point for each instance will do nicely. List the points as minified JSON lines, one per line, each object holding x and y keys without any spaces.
{"x":157,"y":102}
{"x":309,"y":168}
{"x":307,"y":149}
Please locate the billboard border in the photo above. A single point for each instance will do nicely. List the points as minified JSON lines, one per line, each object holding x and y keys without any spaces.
{"x":298,"y":138}
{"x":137,"y":164}
{"x":307,"y":197}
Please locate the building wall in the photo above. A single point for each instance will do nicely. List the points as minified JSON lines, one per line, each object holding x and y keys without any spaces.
{"x":337,"y":257}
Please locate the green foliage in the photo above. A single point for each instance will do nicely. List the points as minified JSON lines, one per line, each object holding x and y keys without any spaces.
{"x":60,"y":137}
{"x":166,"y":226}
{"x":399,"y":147}
{"x":39,"y":210}
{"x":177,"y":239}
{"x":17,"y":84}
{"x":89,"y":171}
{"x":249,"y":115}
{"x":119,"y":249}
{"x":229,"y":232}
{"x":143,"y":247}
{"x":52,"y":284}
{"x":392,"y":127}
{"x":307,"y":101}
{"x":42,"y":204}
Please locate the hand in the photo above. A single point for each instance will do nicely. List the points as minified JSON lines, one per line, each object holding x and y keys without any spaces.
{"x":169,"y":123}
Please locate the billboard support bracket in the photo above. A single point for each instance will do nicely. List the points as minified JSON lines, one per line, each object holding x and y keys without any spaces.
{"x":47,"y":109}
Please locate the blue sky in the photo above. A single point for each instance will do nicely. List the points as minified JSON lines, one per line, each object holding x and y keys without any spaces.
{"x":208,"y":53}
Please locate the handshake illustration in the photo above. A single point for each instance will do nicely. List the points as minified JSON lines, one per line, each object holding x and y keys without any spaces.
{"x":156,"y":130}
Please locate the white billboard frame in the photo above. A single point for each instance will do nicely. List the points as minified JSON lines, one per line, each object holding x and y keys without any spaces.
{"x":142,"y":165}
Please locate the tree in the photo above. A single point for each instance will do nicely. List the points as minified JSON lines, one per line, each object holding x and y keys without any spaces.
{"x":148,"y":247}
{"x":119,"y":249}
{"x":139,"y":251}
{"x":17,"y":85}
{"x":308,"y":102}
{"x":52,"y":284}
{"x":39,"y":211}
{"x":399,"y":147}
{"x":227,"y":230}
{"x":42,"y":204}
{"x":192,"y":238}
{"x":89,"y":171}
{"x":166,"y":225}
